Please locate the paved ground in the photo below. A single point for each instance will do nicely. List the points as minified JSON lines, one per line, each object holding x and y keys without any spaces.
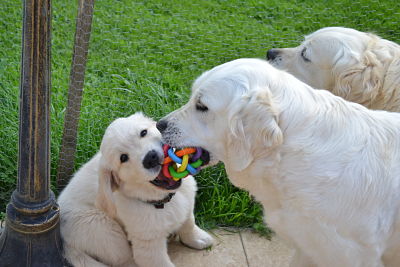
{"x":234,"y":248}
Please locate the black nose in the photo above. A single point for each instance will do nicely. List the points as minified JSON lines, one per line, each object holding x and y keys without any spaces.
{"x":162,"y":125}
{"x":151,"y":160}
{"x":272,"y":54}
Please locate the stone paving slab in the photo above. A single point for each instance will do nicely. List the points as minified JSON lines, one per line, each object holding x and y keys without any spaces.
{"x":227,"y":251}
{"x":234,"y":248}
{"x":266,"y":253}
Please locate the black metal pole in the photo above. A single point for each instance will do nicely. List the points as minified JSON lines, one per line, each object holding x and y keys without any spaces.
{"x":32,"y":234}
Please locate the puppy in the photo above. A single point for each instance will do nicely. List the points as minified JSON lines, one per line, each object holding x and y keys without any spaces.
{"x":119,"y":209}
{"x":360,"y":67}
{"x":325,"y":170}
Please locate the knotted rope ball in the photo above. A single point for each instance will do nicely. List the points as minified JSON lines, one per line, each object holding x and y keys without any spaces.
{"x":188,"y":158}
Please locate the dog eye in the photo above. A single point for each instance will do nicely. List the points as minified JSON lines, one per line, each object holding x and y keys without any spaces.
{"x":124,"y":158}
{"x":304,"y":56}
{"x":143,"y":133}
{"x":201,"y":107}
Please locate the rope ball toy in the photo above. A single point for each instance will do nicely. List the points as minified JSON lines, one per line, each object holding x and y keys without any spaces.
{"x":188,"y":158}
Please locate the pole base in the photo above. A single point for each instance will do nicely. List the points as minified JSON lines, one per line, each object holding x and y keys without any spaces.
{"x":30,"y":240}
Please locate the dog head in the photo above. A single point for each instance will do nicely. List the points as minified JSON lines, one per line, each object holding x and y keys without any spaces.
{"x":341,"y":60}
{"x":231,"y":113}
{"x":130,"y":162}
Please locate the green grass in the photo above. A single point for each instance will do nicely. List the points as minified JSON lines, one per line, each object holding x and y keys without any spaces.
{"x":144,"y":56}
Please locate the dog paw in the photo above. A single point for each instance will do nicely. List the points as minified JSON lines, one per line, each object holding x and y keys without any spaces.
{"x":198,"y":239}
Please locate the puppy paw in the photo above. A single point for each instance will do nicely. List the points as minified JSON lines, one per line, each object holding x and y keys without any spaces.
{"x":198,"y":238}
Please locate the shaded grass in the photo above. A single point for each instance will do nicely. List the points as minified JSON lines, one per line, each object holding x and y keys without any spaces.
{"x":144,"y":56}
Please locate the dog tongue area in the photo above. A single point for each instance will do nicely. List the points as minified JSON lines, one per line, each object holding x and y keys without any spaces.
{"x":165,"y":182}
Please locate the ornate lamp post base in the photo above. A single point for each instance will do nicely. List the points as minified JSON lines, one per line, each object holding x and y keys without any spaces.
{"x":32,"y":235}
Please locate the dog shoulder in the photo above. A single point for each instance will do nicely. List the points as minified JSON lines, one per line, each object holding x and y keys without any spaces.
{"x":82,"y":186}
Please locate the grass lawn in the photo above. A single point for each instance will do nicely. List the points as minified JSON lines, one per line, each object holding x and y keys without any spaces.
{"x":144,"y":56}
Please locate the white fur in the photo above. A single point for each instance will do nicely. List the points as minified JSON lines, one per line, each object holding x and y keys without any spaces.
{"x":103,"y":207}
{"x":360,"y":67}
{"x":326,"y":170}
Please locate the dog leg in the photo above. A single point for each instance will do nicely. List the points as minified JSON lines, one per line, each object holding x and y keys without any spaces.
{"x":192,"y":236}
{"x":97,"y":235}
{"x":346,"y":256}
{"x":151,"y":253}
{"x":79,"y":259}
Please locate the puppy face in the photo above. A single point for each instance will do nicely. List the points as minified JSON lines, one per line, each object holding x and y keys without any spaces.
{"x":131,"y":158}
{"x":331,"y":58}
{"x":230,"y":113}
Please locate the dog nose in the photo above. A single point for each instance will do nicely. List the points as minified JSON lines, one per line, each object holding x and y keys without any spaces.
{"x":162,"y":125}
{"x":272,"y":54}
{"x":151,"y":160}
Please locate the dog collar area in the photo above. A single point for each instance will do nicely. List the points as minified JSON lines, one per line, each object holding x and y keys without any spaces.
{"x":159,"y":204}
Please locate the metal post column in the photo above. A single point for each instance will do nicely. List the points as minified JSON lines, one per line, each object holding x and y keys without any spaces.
{"x":32,"y":234}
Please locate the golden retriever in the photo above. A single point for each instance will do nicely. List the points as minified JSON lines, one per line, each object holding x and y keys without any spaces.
{"x":118,"y":209}
{"x":360,"y":67}
{"x":325,"y":170}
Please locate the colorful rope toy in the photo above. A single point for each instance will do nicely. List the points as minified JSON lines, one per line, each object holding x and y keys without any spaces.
{"x":188,"y":158}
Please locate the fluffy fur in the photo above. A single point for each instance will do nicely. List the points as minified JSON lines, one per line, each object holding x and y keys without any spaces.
{"x":325,"y":170}
{"x":105,"y":220}
{"x":360,"y":67}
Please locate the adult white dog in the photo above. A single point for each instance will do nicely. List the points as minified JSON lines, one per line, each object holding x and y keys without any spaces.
{"x":118,"y":210}
{"x":360,"y":67}
{"x":326,"y":170}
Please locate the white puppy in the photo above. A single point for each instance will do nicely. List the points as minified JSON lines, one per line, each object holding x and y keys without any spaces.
{"x":118,"y":209}
{"x":360,"y":67}
{"x":326,"y":170}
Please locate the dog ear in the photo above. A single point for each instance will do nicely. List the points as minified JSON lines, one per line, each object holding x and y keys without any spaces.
{"x":239,"y":146}
{"x":359,"y":82}
{"x":254,"y":123}
{"x":108,"y":183}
